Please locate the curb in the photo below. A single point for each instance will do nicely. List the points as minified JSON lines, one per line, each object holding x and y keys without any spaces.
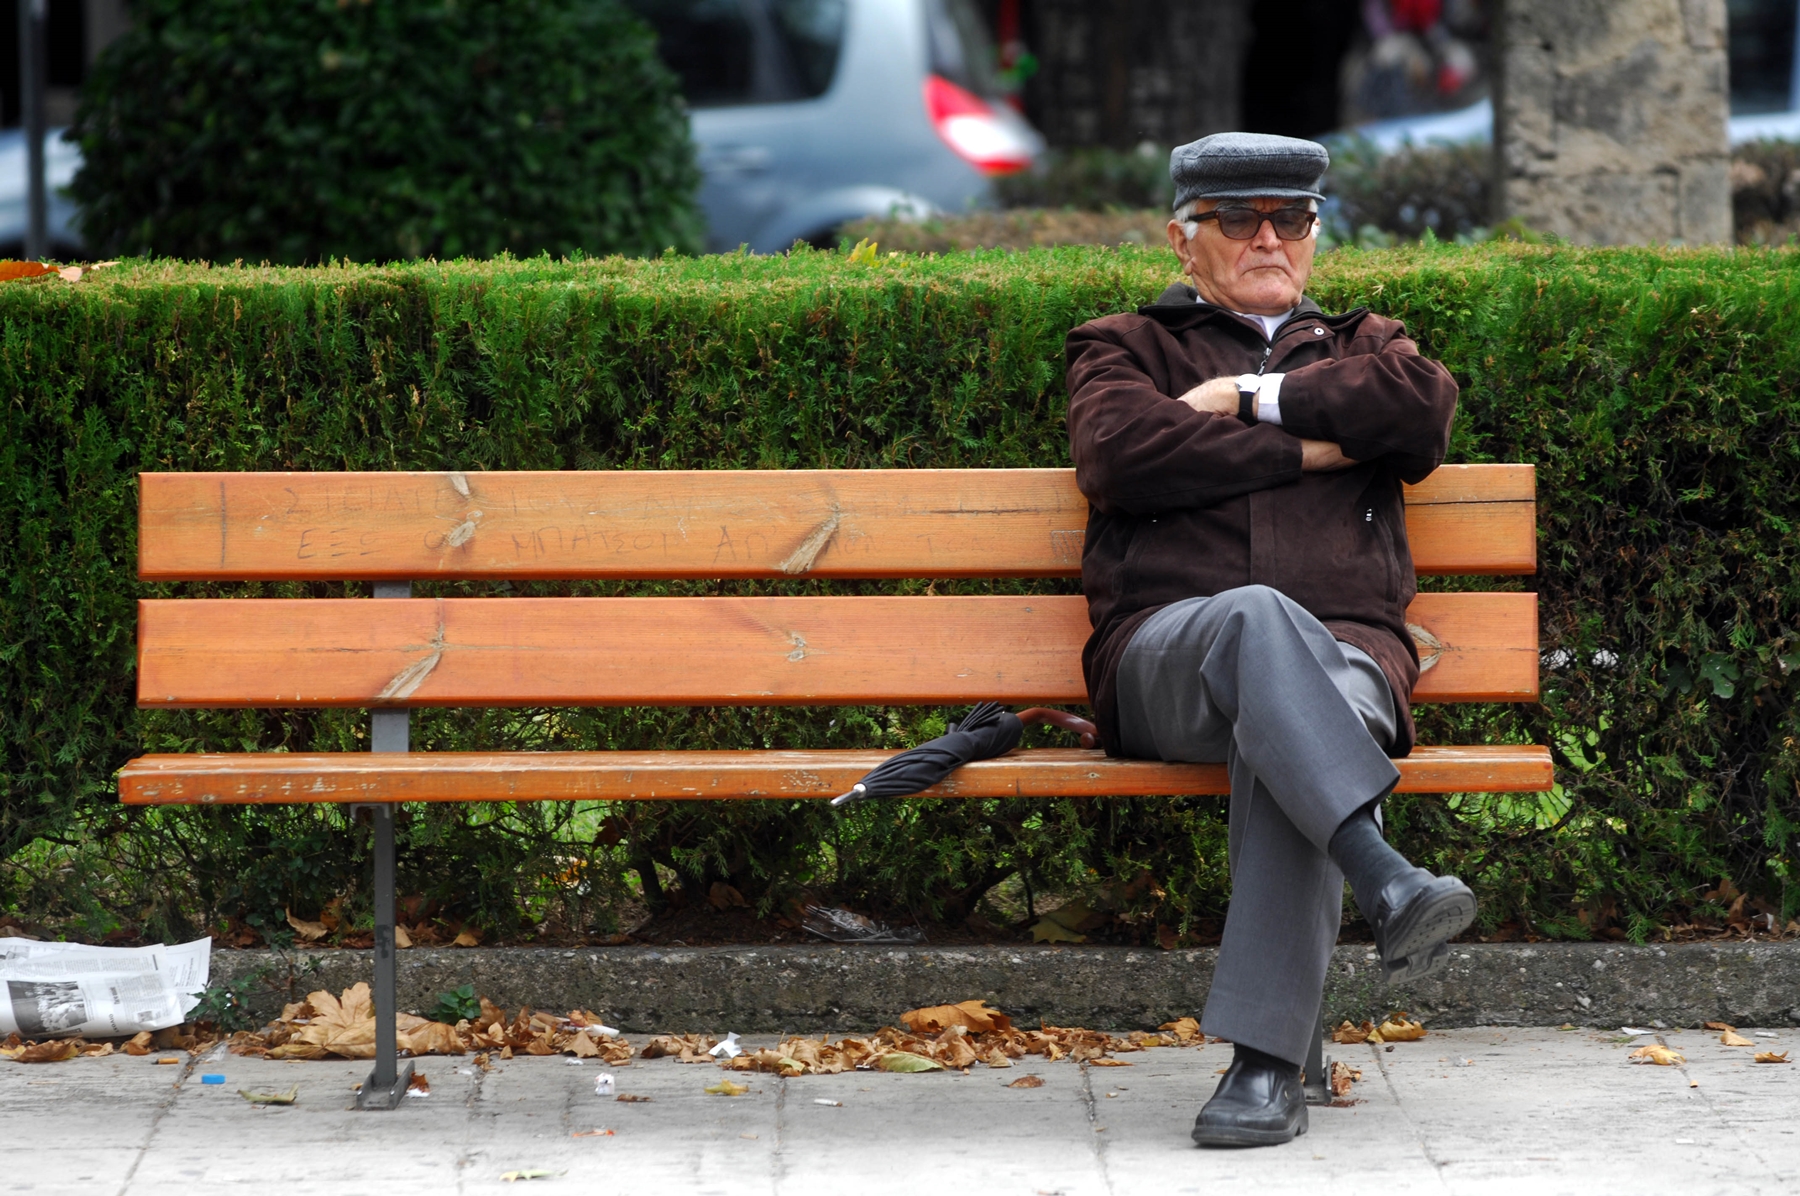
{"x":771,"y":989}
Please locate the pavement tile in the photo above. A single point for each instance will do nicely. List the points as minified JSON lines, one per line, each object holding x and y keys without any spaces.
{"x":1491,"y":1110}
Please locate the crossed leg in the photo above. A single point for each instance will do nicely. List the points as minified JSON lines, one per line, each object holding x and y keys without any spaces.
{"x":1250,"y":678}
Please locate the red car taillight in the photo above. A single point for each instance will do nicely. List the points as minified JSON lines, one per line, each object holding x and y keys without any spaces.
{"x":971,"y":127}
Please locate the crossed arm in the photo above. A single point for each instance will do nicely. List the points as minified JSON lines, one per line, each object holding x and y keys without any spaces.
{"x":1220,"y":397}
{"x":1138,"y":450}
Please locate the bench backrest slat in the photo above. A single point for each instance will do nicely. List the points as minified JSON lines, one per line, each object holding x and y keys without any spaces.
{"x":706,"y":651}
{"x":710,"y":524}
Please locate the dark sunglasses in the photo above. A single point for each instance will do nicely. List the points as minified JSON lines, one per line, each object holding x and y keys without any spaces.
{"x":1241,"y":224}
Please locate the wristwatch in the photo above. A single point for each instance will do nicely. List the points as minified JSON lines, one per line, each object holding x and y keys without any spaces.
{"x":1248,"y":385}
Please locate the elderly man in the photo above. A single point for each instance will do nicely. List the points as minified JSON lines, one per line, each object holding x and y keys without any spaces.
{"x":1247,"y":576}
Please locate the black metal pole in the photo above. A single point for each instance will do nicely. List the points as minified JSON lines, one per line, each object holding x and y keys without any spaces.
{"x":33,"y":65}
{"x":385,"y":1046}
{"x":1316,"y":1080}
{"x":1317,"y":1083}
{"x":389,"y":731}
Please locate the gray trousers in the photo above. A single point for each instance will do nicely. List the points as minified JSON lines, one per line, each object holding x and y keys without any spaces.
{"x":1250,"y":679}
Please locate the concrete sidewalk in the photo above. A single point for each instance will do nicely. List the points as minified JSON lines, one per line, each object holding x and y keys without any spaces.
{"x":1462,"y":1111}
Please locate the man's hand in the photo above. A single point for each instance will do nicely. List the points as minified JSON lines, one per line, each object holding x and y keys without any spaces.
{"x":1322,"y":456}
{"x":1218,"y":397}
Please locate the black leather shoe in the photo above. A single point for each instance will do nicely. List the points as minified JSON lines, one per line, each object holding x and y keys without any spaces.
{"x":1415,"y":918}
{"x":1259,"y":1102}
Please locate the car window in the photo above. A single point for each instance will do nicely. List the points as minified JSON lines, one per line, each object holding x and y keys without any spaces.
{"x":709,"y":44}
{"x":747,"y":51}
{"x":961,"y":50}
{"x":812,"y":31}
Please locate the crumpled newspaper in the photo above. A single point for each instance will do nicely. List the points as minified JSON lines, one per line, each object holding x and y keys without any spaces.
{"x":56,"y":990}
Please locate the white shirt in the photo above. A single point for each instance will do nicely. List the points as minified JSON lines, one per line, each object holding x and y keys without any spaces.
{"x":1269,"y":323}
{"x":1268,"y":399}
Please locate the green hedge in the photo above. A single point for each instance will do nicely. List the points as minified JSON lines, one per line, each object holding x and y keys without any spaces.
{"x":1652,"y":388}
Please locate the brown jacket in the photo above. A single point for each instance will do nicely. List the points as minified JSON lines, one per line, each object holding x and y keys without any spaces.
{"x":1187,"y":505}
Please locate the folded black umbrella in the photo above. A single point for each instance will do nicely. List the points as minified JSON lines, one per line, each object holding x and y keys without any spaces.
{"x":987,"y":731}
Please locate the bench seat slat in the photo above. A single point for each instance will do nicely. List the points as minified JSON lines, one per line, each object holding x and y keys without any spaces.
{"x":1474,"y":519}
{"x":280,"y":777}
{"x":708,"y":651}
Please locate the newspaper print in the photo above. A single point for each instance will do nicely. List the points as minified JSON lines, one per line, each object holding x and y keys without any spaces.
{"x":54,"y":990}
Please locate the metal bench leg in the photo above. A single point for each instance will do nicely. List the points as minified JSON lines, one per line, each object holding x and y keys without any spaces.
{"x":387,"y":1083}
{"x":1318,"y":1068}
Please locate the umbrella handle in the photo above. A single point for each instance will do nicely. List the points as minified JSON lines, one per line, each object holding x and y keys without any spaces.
{"x":1072,"y":723}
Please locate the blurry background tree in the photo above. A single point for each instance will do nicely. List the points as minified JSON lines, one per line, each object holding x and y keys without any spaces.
{"x":294,"y":131}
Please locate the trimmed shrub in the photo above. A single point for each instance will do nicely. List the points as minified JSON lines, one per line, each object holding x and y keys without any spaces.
{"x":295,"y":131}
{"x":1653,"y":389}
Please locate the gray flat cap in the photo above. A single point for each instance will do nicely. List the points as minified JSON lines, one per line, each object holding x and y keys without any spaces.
{"x":1246,"y":166}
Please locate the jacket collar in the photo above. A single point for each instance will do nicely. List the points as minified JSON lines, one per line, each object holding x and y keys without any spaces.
{"x":1179,"y":308}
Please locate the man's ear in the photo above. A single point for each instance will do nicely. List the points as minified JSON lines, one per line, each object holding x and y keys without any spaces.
{"x":1178,"y":241}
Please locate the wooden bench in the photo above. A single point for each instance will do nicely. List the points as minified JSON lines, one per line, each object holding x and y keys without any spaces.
{"x":393,"y":652}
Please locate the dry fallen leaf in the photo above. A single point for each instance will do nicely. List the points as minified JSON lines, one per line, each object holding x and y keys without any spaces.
{"x":1351,"y":1035}
{"x":1732,"y":1038}
{"x":686,"y":1048}
{"x":974,"y":1016}
{"x":139,"y":1044}
{"x":955,"y":1046}
{"x":1658,"y":1054}
{"x":271,"y":1098}
{"x":627,"y":1098}
{"x":310,"y":931}
{"x":727,"y":1088}
{"x":1185,"y":1030}
{"x":1107,"y":1063}
{"x":55,"y":1051}
{"x":1398,"y":1029}
{"x":1050,"y":931}
{"x":324,"y":1025}
{"x":723,"y":897}
{"x":1772,"y":1057}
{"x":468,"y":938}
{"x":1027,"y":1082}
{"x":339,"y":1026}
{"x":12,"y":270}
{"x":1718,"y":1026}
{"x":402,"y":940}
{"x":1342,"y":1076}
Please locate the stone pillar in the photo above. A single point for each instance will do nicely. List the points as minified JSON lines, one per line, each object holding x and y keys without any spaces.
{"x":1610,"y":120}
